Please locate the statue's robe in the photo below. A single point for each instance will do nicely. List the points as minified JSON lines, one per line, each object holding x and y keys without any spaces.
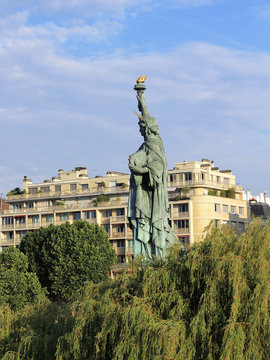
{"x":148,"y":209}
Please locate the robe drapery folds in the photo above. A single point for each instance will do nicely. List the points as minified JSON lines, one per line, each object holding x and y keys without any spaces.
{"x":148,"y":209}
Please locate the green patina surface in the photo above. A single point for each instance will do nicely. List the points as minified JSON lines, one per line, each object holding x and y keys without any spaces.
{"x":148,"y":209}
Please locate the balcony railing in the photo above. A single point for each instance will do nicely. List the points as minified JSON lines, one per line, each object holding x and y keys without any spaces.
{"x":180,"y":214}
{"x":181,"y":230}
{"x":7,"y":226}
{"x":118,"y":234}
{"x":21,"y":226}
{"x":34,"y":225}
{"x":129,"y":251}
{"x":59,"y":194}
{"x":58,"y":208}
{"x":91,"y":221}
{"x":120,"y":251}
{"x":7,"y":241}
{"x":205,"y":183}
{"x":118,"y":219}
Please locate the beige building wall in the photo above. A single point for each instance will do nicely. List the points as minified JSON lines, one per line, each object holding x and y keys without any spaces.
{"x":103,"y":200}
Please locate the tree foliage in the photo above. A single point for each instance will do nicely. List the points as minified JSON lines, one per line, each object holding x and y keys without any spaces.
{"x":18,"y":286}
{"x":16,"y":191}
{"x":207,"y":302}
{"x":32,"y":333}
{"x":65,"y":256}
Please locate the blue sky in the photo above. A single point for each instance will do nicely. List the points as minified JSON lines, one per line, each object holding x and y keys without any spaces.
{"x":67,"y":70}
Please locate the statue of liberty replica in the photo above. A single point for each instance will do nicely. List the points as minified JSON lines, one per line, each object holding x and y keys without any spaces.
{"x":148,"y":208}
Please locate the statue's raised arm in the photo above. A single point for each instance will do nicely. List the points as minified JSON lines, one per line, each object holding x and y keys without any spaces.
{"x":140,"y":87}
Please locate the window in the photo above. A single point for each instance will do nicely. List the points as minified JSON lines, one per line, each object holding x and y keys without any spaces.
{"x":226,"y":181}
{"x":63,"y":216}
{"x":20,"y":220}
{"x":113,"y":183}
{"x":183,"y":207}
{"x":120,"y":212}
{"x":232,"y":209}
{"x":107,"y":228}
{"x":241,"y":210}
{"x":76,"y":215}
{"x":85,"y":186}
{"x":35,"y":219}
{"x":225,"y":208}
{"x":89,"y":214}
{"x":173,"y":177}
{"x":218,"y":179}
{"x":217,"y":222}
{"x":49,"y":219}
{"x":107,"y":213}
{"x":30,"y":204}
{"x":120,"y":243}
{"x":45,"y":189}
{"x":9,"y":235}
{"x":120,"y":228}
{"x":73,"y":187}
{"x":22,"y":234}
{"x":181,"y":224}
{"x":216,"y":208}
{"x":7,"y":220}
{"x":33,"y":191}
{"x":17,"y":206}
{"x":57,"y":188}
{"x":188,"y":176}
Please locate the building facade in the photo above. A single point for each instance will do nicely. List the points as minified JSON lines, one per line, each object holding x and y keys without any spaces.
{"x":198,"y":193}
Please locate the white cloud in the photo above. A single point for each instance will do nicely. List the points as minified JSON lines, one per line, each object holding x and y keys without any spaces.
{"x":210,"y":101}
{"x":15,"y":29}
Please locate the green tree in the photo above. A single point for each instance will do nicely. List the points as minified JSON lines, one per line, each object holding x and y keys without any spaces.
{"x":66,"y":256}
{"x":16,"y":191}
{"x":18,"y":286}
{"x":210,"y":301}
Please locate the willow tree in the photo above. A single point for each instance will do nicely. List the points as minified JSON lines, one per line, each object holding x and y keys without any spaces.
{"x":210,"y":301}
{"x":207,"y":302}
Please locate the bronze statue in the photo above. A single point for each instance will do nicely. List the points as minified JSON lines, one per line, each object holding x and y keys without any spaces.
{"x":148,"y":209}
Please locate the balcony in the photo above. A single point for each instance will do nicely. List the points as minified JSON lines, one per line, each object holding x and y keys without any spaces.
{"x":117,"y":234}
{"x":91,"y":221}
{"x":34,"y":225}
{"x":204,"y":183}
{"x":61,"y":194}
{"x":118,"y":219}
{"x":120,"y":251}
{"x":21,"y":226}
{"x":130,"y":251}
{"x":47,"y":223}
{"x":180,"y":214}
{"x":7,"y":241}
{"x":179,"y":231}
{"x":7,"y":226}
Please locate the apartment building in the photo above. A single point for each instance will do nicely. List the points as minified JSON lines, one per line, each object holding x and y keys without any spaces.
{"x":198,"y":193}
